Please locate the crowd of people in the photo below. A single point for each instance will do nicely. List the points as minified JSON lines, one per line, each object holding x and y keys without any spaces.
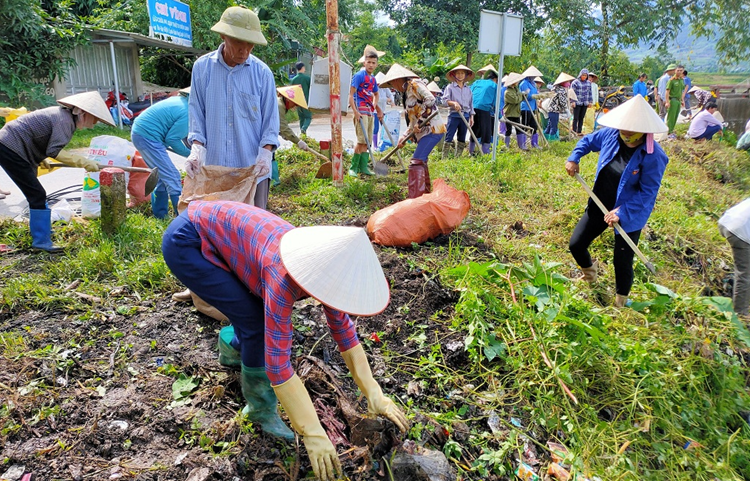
{"x":253,"y":265}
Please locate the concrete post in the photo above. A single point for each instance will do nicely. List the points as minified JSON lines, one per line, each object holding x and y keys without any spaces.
{"x":113,"y":187}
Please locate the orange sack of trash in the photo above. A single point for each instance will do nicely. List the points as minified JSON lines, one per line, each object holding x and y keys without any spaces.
{"x":137,"y":182}
{"x":421,"y":219}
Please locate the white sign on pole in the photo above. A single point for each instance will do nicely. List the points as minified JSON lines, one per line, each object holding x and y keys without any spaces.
{"x":491,"y":30}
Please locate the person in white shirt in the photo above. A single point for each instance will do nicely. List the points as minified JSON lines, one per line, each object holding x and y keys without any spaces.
{"x":705,"y":125}
{"x":734,"y":225}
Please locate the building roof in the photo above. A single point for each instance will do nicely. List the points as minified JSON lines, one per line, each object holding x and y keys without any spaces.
{"x":119,"y":36}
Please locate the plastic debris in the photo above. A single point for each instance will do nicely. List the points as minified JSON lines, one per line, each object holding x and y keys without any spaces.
{"x":494,"y":422}
{"x":14,"y":473}
{"x":526,"y":473}
{"x":558,"y":452}
{"x":691,"y":445}
{"x":558,"y":472}
{"x":516,"y":422}
{"x":374,"y":337}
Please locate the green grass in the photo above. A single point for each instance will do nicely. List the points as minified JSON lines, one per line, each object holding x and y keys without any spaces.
{"x":646,"y":380}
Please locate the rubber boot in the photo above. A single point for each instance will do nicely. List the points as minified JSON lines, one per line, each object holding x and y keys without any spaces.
{"x":229,"y":348}
{"x":40,"y":225}
{"x":460,"y":148}
{"x":354,"y":168}
{"x":621,"y":301}
{"x":590,"y":274}
{"x":521,"y":139}
{"x":374,"y":141}
{"x":364,"y":159}
{"x":262,"y":405}
{"x":535,"y":141}
{"x":503,"y":128}
{"x":175,"y":202}
{"x":472,"y":147}
{"x":486,"y":148}
{"x":417,"y":179}
{"x":160,"y":204}
{"x":427,"y":181}
{"x":449,"y":149}
{"x":275,"y":180}
{"x":507,"y":141}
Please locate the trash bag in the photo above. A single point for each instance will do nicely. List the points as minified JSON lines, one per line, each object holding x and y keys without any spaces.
{"x":215,"y":182}
{"x":744,"y":142}
{"x":108,"y":150}
{"x":421,"y":219}
{"x":137,"y":182}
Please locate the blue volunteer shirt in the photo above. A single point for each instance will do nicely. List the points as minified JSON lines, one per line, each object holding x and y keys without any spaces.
{"x":165,"y":122}
{"x":484,"y":93}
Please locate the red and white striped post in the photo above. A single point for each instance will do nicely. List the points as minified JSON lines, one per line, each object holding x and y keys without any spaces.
{"x":334,"y":81}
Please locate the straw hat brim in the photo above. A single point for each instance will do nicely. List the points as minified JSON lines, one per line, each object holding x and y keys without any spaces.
{"x":294,"y":93}
{"x":513,"y":78}
{"x":532,"y":72}
{"x":337,"y":266}
{"x":538,"y":79}
{"x":635,"y":115}
{"x":239,"y":33}
{"x":563,"y":77}
{"x":185,"y":91}
{"x":91,"y":103}
{"x":380,"y":53}
{"x":434,"y":88}
{"x":469,"y":73}
{"x":396,"y":72}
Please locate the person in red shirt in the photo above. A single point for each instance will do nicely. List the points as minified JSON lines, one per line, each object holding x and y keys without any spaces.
{"x":253,"y":266}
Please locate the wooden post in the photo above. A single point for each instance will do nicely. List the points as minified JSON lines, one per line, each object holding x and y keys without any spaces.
{"x":112,"y":184}
{"x":334,"y":81}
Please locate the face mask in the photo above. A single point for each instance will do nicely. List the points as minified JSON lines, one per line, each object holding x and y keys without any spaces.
{"x":632,"y":139}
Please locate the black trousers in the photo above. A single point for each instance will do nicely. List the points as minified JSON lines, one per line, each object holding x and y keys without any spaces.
{"x":529,"y":119}
{"x":590,"y":227}
{"x":23,"y":174}
{"x":579,"y":113}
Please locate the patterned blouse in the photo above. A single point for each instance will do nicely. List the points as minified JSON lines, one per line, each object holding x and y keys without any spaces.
{"x":559,"y":102}
{"x":420,"y":104}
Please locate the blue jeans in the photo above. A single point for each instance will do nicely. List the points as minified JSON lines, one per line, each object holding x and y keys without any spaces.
{"x":425,"y":146}
{"x":181,"y":247}
{"x":455,"y":123}
{"x":710,"y":131}
{"x":155,"y":155}
{"x":554,"y":120}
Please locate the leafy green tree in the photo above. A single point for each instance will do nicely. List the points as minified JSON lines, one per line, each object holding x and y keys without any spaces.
{"x":730,"y":18}
{"x":34,"y":45}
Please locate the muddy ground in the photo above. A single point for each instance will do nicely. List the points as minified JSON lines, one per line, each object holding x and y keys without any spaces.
{"x":91,"y":397}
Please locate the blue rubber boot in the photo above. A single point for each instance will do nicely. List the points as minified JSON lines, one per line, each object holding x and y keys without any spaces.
{"x":160,"y":204}
{"x":175,"y":202}
{"x":275,"y":173}
{"x":521,"y":139}
{"x":40,"y":224}
{"x":262,"y":404}
{"x":535,"y":141}
{"x":507,"y":141}
{"x":229,"y":348}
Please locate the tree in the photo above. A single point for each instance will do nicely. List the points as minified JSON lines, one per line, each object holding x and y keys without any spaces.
{"x":731,"y":18}
{"x":34,"y":45}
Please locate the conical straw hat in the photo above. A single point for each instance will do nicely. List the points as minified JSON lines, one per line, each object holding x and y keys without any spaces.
{"x":563,"y":77}
{"x":379,"y":77}
{"x":434,"y":88}
{"x":369,"y":49}
{"x":294,"y":93}
{"x":91,"y":103}
{"x":337,"y":266}
{"x":487,"y":68}
{"x":513,"y":78}
{"x":635,"y":115}
{"x":185,"y":91}
{"x":532,"y":72}
{"x":538,"y":79}
{"x":397,"y":72}
{"x":469,"y":73}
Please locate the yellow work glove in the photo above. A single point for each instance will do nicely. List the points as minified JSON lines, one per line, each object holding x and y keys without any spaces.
{"x":76,"y":160}
{"x":377,"y":403}
{"x":299,"y":407}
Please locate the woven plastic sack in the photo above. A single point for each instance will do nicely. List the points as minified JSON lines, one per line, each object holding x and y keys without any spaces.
{"x":137,"y":182}
{"x":421,"y":219}
{"x":109,"y":150}
{"x":215,"y":182}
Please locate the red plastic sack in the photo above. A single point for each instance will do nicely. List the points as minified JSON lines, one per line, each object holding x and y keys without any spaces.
{"x":137,"y":182}
{"x":421,"y":219}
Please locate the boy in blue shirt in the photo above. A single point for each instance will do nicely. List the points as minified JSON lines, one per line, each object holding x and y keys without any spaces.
{"x":363,"y":100}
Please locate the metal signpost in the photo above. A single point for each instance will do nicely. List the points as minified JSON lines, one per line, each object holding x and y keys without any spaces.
{"x":499,"y":33}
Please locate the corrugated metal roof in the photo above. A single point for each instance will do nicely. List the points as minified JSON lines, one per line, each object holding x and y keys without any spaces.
{"x":121,"y":36}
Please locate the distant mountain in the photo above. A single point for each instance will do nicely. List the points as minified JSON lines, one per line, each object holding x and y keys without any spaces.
{"x":698,"y":54}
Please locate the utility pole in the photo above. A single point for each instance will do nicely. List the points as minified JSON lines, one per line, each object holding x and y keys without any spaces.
{"x":334,"y":82}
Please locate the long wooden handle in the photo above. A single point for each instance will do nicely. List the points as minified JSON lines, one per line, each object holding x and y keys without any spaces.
{"x":318,"y":154}
{"x":461,"y":114}
{"x":420,"y":124}
{"x":616,"y":225}
{"x":105,"y":166}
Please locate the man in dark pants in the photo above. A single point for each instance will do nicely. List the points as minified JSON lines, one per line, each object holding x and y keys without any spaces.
{"x":734,"y":225}
{"x":628,"y":177}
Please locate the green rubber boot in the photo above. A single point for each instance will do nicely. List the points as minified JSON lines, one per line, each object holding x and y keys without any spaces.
{"x":262,"y":405}
{"x":228,"y":356}
{"x":364,"y":159}
{"x":354,"y":168}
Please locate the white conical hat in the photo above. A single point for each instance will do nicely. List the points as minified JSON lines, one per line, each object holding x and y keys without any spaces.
{"x":337,"y":266}
{"x":434,"y":88}
{"x":185,"y":91}
{"x":635,"y":115}
{"x":379,"y":77}
{"x":532,"y":72}
{"x":469,"y":73}
{"x":89,"y":102}
{"x":538,"y":79}
{"x":369,"y":49}
{"x":294,"y":93}
{"x":563,"y":77}
{"x":487,"y":68}
{"x":396,"y":72}
{"x":513,"y":78}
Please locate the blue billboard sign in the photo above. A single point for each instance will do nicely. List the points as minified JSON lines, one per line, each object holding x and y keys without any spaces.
{"x":170,"y":18}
